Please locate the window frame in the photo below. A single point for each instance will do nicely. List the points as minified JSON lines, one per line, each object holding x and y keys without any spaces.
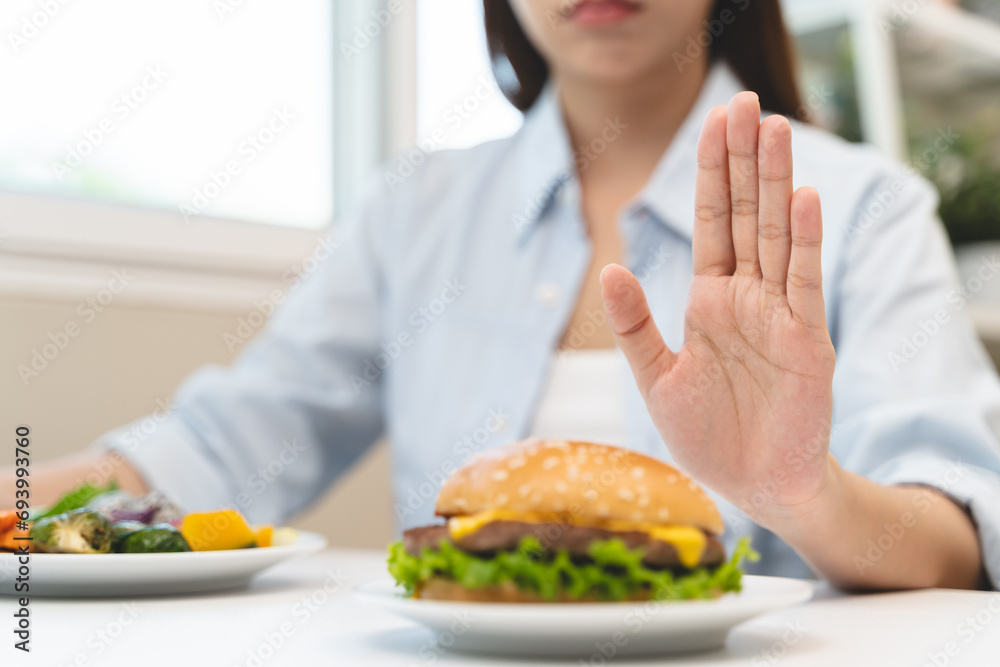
{"x":62,"y":248}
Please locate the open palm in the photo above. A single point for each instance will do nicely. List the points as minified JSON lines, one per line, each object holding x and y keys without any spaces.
{"x":745,"y":405}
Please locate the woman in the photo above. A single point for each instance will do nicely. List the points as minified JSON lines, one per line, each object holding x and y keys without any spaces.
{"x":449,"y":311}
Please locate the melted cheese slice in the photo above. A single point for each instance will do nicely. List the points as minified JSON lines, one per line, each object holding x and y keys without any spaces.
{"x":688,"y":541}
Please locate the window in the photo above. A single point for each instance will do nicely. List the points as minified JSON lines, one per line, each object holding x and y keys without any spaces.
{"x":458,"y":103}
{"x":215,"y":108}
{"x":149,"y":134}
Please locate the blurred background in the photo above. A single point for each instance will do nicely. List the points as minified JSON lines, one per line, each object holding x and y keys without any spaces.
{"x":167,"y":169}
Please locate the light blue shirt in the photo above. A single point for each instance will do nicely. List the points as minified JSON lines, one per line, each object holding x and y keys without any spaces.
{"x":437,"y":313}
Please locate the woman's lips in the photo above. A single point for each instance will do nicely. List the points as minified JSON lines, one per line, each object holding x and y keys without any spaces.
{"x":602,"y":12}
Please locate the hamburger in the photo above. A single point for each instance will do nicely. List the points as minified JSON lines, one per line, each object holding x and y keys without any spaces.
{"x":562,"y":521}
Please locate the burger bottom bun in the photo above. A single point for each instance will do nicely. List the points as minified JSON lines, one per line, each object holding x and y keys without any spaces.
{"x":441,"y":588}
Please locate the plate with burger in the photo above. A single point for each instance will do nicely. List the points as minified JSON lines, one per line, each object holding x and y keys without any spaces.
{"x":553,"y":547}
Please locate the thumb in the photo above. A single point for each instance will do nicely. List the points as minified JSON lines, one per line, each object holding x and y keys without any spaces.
{"x":633,"y":327}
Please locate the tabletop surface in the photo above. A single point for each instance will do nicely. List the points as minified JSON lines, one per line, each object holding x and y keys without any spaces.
{"x":303,"y":613}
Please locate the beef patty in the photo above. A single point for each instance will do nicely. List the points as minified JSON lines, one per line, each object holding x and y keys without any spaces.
{"x":506,"y":535}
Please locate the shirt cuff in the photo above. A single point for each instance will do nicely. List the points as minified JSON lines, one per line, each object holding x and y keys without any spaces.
{"x":170,"y":459}
{"x":975,"y":489}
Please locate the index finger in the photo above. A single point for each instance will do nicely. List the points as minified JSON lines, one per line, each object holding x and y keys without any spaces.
{"x":712,"y":238}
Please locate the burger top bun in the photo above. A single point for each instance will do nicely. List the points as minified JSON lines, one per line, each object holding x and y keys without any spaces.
{"x":586,"y":480}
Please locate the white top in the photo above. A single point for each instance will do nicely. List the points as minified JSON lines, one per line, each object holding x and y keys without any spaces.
{"x":300,"y":608}
{"x":584,"y":398}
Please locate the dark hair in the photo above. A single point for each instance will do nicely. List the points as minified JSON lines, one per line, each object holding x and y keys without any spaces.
{"x":755,"y":45}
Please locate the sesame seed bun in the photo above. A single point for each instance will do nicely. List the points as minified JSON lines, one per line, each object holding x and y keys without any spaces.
{"x":586,"y":480}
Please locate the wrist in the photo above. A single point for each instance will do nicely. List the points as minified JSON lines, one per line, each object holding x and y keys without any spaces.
{"x":827,"y":530}
{"x":824,"y":509}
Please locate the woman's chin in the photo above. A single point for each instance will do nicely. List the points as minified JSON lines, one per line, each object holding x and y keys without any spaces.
{"x":613,"y":70}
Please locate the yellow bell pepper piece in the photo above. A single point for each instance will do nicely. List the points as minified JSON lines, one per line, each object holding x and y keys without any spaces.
{"x":264,"y":535}
{"x":217,"y":531}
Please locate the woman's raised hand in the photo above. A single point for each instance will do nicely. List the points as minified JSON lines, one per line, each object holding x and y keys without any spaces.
{"x":745,"y":405}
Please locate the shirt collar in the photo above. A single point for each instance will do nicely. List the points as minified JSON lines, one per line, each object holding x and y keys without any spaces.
{"x":544,"y":159}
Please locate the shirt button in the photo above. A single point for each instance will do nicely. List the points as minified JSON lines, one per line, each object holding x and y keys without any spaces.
{"x":548,"y":294}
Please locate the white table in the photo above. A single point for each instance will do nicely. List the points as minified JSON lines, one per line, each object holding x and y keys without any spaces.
{"x":302,"y":613}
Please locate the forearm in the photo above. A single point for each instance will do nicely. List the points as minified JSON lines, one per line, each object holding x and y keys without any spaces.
{"x":51,"y":479}
{"x":863,"y":535}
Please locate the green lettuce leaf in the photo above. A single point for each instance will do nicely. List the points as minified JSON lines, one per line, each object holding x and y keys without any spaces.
{"x":614,"y":572}
{"x":76,"y":499}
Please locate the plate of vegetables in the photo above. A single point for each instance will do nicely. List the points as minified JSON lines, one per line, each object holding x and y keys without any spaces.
{"x":102,"y":541}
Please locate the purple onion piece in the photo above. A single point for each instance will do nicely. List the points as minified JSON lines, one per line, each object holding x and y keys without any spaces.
{"x":141,"y":515}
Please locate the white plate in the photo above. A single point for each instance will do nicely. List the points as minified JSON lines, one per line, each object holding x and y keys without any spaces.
{"x":590,"y":629}
{"x":58,"y":575}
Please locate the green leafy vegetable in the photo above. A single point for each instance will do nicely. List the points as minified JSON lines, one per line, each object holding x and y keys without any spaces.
{"x":80,"y":531}
{"x":160,"y":538}
{"x":613,"y":573}
{"x":122,"y":529}
{"x":77,"y":498}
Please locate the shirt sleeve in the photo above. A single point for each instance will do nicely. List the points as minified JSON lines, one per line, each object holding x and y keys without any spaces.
{"x":268,"y":434}
{"x":917,"y":400}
